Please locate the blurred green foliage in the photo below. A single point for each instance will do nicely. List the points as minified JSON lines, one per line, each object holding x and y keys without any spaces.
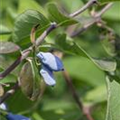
{"x":17,"y":17}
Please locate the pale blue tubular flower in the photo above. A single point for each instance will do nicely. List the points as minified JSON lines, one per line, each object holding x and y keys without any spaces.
{"x":3,"y":106}
{"x":51,"y":61}
{"x":47,"y":75}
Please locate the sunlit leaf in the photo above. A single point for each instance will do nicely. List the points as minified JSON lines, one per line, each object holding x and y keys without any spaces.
{"x":111,"y":13}
{"x":84,"y":70}
{"x":105,"y":1}
{"x":92,"y":97}
{"x":33,"y":5}
{"x":4,"y":30}
{"x":58,"y":17}
{"x":113,"y":105}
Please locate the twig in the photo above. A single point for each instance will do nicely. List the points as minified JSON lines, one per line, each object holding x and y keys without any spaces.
{"x":87,"y":113}
{"x":86,"y":6}
{"x":10,"y":68}
{"x":104,"y":10}
{"x":40,"y":39}
{"x":26,"y":52}
{"x":9,"y":92}
{"x":97,"y":18}
{"x":74,"y":94}
{"x":85,"y":110}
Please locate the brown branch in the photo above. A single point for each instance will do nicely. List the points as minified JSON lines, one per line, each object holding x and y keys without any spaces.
{"x":26,"y":52}
{"x":40,"y":39}
{"x":9,"y":93}
{"x":71,"y":87}
{"x":99,"y":14}
{"x":96,"y":18}
{"x":85,"y":110}
{"x":86,"y":6}
{"x":10,"y":68}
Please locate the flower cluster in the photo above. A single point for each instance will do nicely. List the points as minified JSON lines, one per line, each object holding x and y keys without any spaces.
{"x":50,"y":63}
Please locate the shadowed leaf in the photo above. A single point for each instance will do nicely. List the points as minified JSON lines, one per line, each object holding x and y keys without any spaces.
{"x":30,"y":80}
{"x":71,"y":47}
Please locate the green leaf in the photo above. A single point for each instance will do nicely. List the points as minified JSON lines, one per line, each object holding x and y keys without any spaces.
{"x":8,"y":47}
{"x":113,"y":106}
{"x":33,"y":5}
{"x":79,"y":67}
{"x":3,"y":117}
{"x":106,"y":65}
{"x":9,"y":79}
{"x":30,"y":80}
{"x":4,"y":30}
{"x":105,"y":1}
{"x":25,"y":22}
{"x":108,"y":46}
{"x":92,"y":96}
{"x":58,"y":17}
{"x":71,"y":47}
{"x":111,"y":14}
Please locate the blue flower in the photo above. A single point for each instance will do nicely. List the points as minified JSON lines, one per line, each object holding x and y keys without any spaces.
{"x":11,"y":116}
{"x":50,"y":63}
{"x":47,"y":75}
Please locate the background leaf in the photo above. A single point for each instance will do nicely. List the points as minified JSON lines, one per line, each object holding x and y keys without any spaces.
{"x":113,"y":106}
{"x":4,"y":30}
{"x":8,"y":47}
{"x":73,"y":48}
{"x":58,"y":17}
{"x":104,"y":1}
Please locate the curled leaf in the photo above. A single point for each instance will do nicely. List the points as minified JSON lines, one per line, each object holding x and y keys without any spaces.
{"x":30,"y":80}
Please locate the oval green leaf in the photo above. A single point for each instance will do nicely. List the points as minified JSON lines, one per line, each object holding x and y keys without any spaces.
{"x":25,"y":22}
{"x":8,"y":47}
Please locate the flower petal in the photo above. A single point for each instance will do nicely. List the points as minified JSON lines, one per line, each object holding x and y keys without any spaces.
{"x":51,"y":61}
{"x":47,"y":75}
{"x":11,"y":116}
{"x":3,"y":106}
